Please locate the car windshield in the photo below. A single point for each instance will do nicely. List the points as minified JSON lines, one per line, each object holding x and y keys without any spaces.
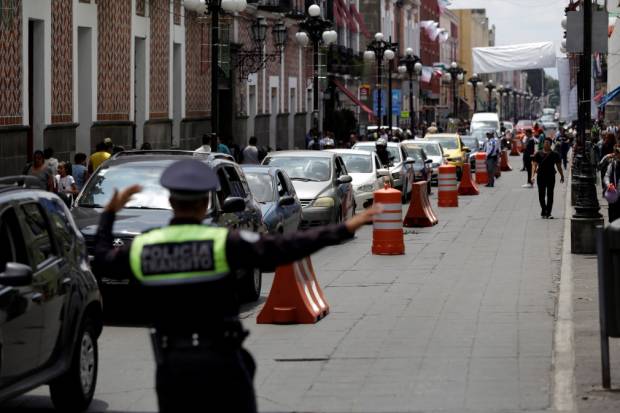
{"x":301,"y":168}
{"x":109,"y":178}
{"x":446,"y":143}
{"x":261,"y":185}
{"x":431,"y":149}
{"x":356,"y":163}
{"x":392,"y":150}
{"x":483,"y":124}
{"x":470,"y":142}
{"x":415,"y":153}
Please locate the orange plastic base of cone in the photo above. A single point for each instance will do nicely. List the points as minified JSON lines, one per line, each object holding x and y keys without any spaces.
{"x":467,"y":186}
{"x":448,"y":199}
{"x":420,"y":212}
{"x":388,"y":242}
{"x":295,"y":296}
{"x":514,"y":149}
{"x":503,"y":164}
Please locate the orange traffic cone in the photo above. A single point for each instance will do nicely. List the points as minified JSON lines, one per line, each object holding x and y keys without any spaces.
{"x":420,"y":212}
{"x":467,"y":186}
{"x":503,"y":162}
{"x":387,"y":232}
{"x":482,"y":177}
{"x":295,"y":296}
{"x":448,"y":193}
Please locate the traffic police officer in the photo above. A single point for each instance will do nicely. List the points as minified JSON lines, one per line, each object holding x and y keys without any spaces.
{"x":186,"y":271}
{"x":492,"y":150}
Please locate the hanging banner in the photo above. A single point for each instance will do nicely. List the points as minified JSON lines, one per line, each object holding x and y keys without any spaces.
{"x":513,"y":57}
{"x":564,"y":79}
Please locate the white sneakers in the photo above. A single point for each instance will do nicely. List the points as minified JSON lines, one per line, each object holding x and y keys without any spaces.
{"x":527,"y":186}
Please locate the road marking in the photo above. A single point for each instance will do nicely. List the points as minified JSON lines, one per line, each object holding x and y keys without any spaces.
{"x":564,"y":337}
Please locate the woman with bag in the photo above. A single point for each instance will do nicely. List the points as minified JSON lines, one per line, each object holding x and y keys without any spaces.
{"x":611,"y":185}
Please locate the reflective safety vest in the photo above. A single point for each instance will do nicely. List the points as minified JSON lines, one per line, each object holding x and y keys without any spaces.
{"x":179,"y":254}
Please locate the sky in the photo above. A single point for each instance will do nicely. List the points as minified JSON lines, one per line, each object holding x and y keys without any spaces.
{"x":522,"y":21}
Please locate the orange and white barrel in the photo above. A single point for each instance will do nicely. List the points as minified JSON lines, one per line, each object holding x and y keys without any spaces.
{"x":387,"y":231}
{"x":448,"y":190}
{"x":482,"y":177}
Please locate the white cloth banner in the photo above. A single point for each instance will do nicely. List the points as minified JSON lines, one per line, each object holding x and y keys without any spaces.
{"x":427,"y":74}
{"x":513,"y":57}
{"x":564,"y":79}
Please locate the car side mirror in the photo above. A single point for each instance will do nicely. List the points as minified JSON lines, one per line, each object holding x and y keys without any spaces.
{"x":344,"y":179}
{"x":409,"y":160}
{"x":382,"y":172}
{"x":233,"y":204}
{"x":428,"y":161}
{"x":16,"y":275}
{"x":286,"y":200}
{"x":466,"y":149}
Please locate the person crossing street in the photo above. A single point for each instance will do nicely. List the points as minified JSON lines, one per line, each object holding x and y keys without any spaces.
{"x":492,"y":150}
{"x":545,"y":164}
{"x":186,"y":271}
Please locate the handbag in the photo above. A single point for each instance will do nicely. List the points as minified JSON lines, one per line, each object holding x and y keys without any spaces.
{"x":611,"y":193}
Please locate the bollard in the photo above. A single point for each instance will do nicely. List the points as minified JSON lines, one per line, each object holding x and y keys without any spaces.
{"x":467,"y":186}
{"x":420,"y":212}
{"x":448,"y":192}
{"x":387,"y":227}
{"x":503,"y":162}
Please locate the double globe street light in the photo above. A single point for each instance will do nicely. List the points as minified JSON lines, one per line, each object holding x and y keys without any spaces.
{"x":490,"y":87}
{"x":317,"y":30}
{"x":252,"y":60}
{"x":474,"y":81}
{"x":411,"y":65}
{"x":379,"y":50}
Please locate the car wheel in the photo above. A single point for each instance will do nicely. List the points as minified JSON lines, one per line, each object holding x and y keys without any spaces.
{"x":251,"y":285}
{"x":73,"y":391}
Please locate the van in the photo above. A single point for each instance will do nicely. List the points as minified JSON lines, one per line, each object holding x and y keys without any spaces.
{"x":485,"y":120}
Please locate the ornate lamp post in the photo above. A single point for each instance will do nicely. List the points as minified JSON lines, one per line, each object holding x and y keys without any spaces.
{"x":515,"y":110}
{"x":379,"y":50}
{"x":474,"y":81}
{"x":315,"y":29}
{"x":500,"y":101}
{"x":411,"y":65}
{"x":508,"y":93}
{"x":490,"y":86}
{"x":215,"y":7}
{"x":252,"y":60}
{"x":455,"y":74}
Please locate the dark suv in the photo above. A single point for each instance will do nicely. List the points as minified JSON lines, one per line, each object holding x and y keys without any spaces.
{"x":50,"y":305}
{"x":232,"y":206}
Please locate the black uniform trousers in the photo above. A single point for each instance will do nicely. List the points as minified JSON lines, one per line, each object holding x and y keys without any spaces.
{"x":546,"y":185}
{"x":527,"y":163}
{"x":203,"y":379}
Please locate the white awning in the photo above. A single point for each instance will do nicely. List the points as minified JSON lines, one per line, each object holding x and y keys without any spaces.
{"x":513,"y":57}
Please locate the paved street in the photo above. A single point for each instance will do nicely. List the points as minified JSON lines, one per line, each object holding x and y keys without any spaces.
{"x":463,"y":322}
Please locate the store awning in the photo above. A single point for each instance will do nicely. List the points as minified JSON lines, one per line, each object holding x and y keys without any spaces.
{"x":353,"y":98}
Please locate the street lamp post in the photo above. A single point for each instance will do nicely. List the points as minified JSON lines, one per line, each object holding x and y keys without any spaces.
{"x":315,"y":29}
{"x":215,"y":7}
{"x":455,"y":74}
{"x":253,"y":59}
{"x":490,"y":86}
{"x":473,"y":82}
{"x":500,"y":101}
{"x":379,"y":50}
{"x":508,"y":92}
{"x":411,"y":65}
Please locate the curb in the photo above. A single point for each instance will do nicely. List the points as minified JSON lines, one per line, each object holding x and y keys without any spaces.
{"x":563,"y":360}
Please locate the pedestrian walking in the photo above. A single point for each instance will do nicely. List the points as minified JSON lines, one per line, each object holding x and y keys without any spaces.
{"x":78,"y":170}
{"x":66,"y":188}
{"x":40,"y":170}
{"x":492,"y":151}
{"x":250,"y":153}
{"x":545,"y":163}
{"x":611,"y":180}
{"x":187,"y":273}
{"x":529,"y":150}
{"x":98,"y":157}
{"x":51,"y":162}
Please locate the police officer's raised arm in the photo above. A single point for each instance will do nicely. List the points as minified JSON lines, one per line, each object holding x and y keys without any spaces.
{"x":249,"y":249}
{"x":113,"y":262}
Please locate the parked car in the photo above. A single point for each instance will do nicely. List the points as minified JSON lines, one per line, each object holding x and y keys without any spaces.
{"x":274,"y":191}
{"x":373,"y":129}
{"x":432,"y":151}
{"x":50,"y":305}
{"x":453,"y":147}
{"x":365,"y":169}
{"x":322,"y":183}
{"x":401,"y":170}
{"x":151,"y":208}
{"x":422,"y":169}
{"x":523,"y":125}
{"x":485,"y":120}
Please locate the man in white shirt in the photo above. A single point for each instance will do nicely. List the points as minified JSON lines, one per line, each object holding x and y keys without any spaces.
{"x":250,"y":152}
{"x":206,"y":144}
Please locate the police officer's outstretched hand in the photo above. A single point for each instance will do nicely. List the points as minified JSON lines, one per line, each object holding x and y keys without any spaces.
{"x":119,"y":199}
{"x":357,"y":221}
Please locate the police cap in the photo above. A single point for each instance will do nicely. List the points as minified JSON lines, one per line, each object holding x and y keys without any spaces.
{"x":189,"y":179}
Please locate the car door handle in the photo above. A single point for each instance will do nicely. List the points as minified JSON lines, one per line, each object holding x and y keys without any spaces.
{"x":37,"y":297}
